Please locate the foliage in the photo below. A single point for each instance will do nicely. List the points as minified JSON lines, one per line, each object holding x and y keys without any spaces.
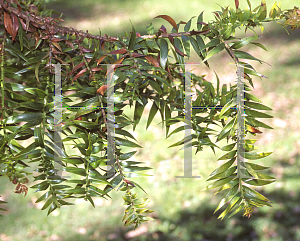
{"x":32,"y":42}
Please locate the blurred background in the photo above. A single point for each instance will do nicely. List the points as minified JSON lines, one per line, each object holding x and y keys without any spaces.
{"x":182,"y":211}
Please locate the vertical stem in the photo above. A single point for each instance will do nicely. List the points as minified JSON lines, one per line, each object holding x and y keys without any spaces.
{"x":2,"y":85}
{"x":240,"y":119}
{"x":240,"y":124}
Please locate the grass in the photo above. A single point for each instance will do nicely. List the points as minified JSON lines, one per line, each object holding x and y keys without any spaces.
{"x":113,"y":18}
{"x":182,"y":211}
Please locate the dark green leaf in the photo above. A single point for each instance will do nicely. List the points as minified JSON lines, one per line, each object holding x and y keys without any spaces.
{"x":258,"y":182}
{"x":256,"y":155}
{"x":164,"y":49}
{"x":180,"y":128}
{"x":76,"y":191}
{"x":24,"y":117}
{"x":260,"y":45}
{"x":78,"y":171}
{"x":227,"y":173}
{"x":73,"y":160}
{"x":186,"y":44}
{"x":234,"y":202}
{"x":251,"y":97}
{"x":167,"y":116}
{"x":257,"y":114}
{"x":215,"y":50}
{"x":256,"y":123}
{"x":152,"y":113}
{"x":244,"y":41}
{"x":212,"y":43}
{"x":252,"y":72}
{"x":138,"y":111}
{"x":123,"y":142}
{"x":223,"y":167}
{"x":226,"y":129}
{"x":127,"y":155}
{"x":244,"y":55}
{"x":43,"y":197}
{"x":229,"y":155}
{"x":124,"y":133}
{"x":256,"y":106}
{"x":228,"y":185}
{"x":231,"y":193}
{"x":218,"y":183}
{"x":228,"y":147}
{"x":155,"y":86}
{"x":150,"y":29}
{"x":255,"y":194}
{"x":132,"y":39}
{"x":200,"y":21}
{"x":49,"y":201}
{"x":255,"y":166}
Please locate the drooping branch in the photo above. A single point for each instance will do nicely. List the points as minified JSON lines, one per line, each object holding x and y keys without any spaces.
{"x":53,"y":26}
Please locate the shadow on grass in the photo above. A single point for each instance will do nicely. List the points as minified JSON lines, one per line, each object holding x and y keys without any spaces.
{"x":73,"y":10}
{"x":84,"y":10}
{"x":276,"y":33}
{"x":77,"y":10}
{"x":280,"y":222}
{"x":201,"y":225}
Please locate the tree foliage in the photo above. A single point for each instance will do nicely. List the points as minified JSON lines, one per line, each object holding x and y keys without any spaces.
{"x":144,"y":72}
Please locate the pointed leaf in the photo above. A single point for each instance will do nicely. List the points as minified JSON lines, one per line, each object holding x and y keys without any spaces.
{"x":255,"y":194}
{"x":244,"y":55}
{"x":226,"y":129}
{"x":163,"y":52}
{"x":150,"y":29}
{"x":75,"y":170}
{"x":228,"y":147}
{"x":218,"y":183}
{"x":254,"y":113}
{"x":229,"y":155}
{"x":138,"y":111}
{"x":252,"y":72}
{"x":48,"y":202}
{"x":228,"y":197}
{"x":243,"y":42}
{"x":256,"y":106}
{"x":124,"y":133}
{"x":167,"y":117}
{"x":232,"y":204}
{"x":251,"y":97}
{"x":258,"y":182}
{"x":132,"y":39}
{"x":223,"y":167}
{"x":260,"y":45}
{"x":200,"y":21}
{"x":152,"y":113}
{"x":186,"y":44}
{"x":215,"y":50}
{"x":255,"y":166}
{"x":227,"y":173}
{"x":124,"y":142}
{"x":256,"y":155}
